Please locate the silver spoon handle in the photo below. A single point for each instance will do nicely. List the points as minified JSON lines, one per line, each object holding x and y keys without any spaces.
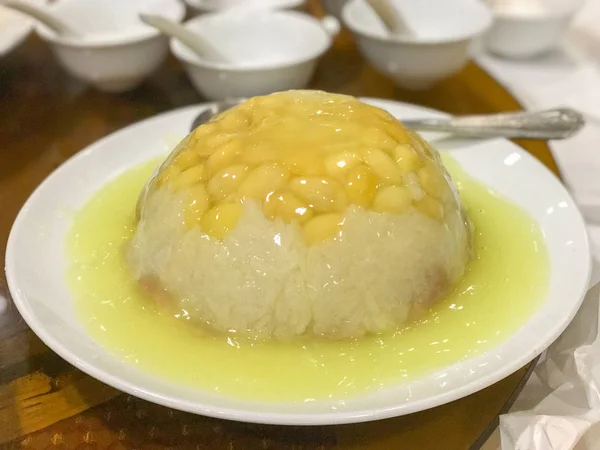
{"x":550,"y":124}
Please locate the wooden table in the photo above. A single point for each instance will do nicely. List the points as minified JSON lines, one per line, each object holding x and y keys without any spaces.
{"x":45,"y":117}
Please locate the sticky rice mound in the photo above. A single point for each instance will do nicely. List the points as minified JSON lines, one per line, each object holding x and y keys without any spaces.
{"x":300,"y":213}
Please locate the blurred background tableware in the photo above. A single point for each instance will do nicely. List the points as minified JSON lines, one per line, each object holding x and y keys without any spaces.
{"x":53,"y":22}
{"x":14,"y":27}
{"x":268,"y":51}
{"x":195,"y":42}
{"x":204,"y":6}
{"x":392,"y":18}
{"x":334,"y":7}
{"x":117,"y":51}
{"x":527,"y":28}
{"x":443,"y":32}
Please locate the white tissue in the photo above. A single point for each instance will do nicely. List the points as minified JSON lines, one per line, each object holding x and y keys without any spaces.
{"x":560,"y":406}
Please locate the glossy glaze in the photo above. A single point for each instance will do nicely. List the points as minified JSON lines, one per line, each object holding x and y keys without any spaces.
{"x":494,"y":299}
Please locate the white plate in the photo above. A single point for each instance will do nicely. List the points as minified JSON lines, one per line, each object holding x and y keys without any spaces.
{"x":35,"y":267}
{"x":14,"y":27}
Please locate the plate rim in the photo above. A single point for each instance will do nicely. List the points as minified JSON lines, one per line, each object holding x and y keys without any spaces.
{"x":269,"y":417}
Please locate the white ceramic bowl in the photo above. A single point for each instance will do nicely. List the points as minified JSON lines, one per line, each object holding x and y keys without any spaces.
{"x":203,"y":6}
{"x":267,"y":51}
{"x":521,"y":31}
{"x":440,"y":47}
{"x":118,"y":51}
{"x":14,"y":27}
{"x":36,"y":265}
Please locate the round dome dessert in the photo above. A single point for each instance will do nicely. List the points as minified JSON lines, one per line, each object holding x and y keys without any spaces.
{"x":300,"y":213}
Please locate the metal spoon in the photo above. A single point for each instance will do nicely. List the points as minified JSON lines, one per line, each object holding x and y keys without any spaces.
{"x":540,"y":125}
{"x":214,"y":110}
{"x":560,"y":123}
{"x":50,"y":20}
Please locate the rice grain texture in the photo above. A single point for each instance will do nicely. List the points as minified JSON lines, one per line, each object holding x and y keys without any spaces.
{"x":261,"y":277}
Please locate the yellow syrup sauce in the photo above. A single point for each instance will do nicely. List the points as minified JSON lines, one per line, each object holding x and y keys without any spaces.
{"x":504,"y":284}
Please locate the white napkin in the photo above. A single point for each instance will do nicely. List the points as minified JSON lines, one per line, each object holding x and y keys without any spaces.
{"x":560,"y":406}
